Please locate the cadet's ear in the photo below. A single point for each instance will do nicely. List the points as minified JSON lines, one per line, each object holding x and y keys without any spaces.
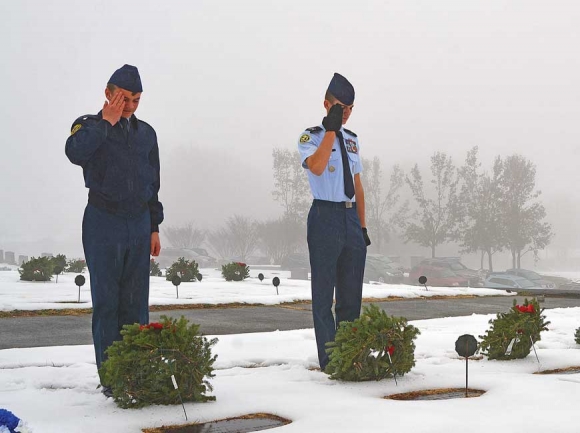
{"x":108,"y":94}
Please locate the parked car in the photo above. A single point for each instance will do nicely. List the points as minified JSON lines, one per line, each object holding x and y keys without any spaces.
{"x":572,"y":285}
{"x":298,"y":264}
{"x":437,"y":277}
{"x":534,"y":277}
{"x":170,"y":255}
{"x":503,"y":280}
{"x":382,"y":269}
{"x":475,"y":278}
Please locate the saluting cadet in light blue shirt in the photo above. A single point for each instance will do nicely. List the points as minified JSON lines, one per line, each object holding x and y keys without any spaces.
{"x":330,"y":185}
{"x":337,"y":236}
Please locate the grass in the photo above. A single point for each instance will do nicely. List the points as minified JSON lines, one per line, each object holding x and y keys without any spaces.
{"x":153,"y":308}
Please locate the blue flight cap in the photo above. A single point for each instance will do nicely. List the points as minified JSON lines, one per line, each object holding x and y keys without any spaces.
{"x":127,"y":77}
{"x":341,"y":89}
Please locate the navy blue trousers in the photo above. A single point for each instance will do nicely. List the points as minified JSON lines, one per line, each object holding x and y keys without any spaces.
{"x":117,"y":253}
{"x":337,"y":260}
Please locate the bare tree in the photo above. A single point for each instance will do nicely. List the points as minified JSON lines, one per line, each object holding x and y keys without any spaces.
{"x":435,"y":221}
{"x":281,"y":237}
{"x":522,"y":214}
{"x":385,"y":213}
{"x":480,"y":226}
{"x":186,"y":236}
{"x":220,"y":243}
{"x":290,"y":183}
{"x":239,"y":238}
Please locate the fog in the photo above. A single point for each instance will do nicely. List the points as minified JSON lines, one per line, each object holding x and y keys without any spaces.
{"x":227,"y":82}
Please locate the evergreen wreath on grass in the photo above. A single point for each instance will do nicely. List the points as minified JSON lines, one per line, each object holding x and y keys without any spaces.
{"x":517,"y":328}
{"x":154,"y":269}
{"x":577,"y":336}
{"x":185,"y":269}
{"x":235,"y":271}
{"x":37,"y":269}
{"x":373,"y":347}
{"x":77,"y":266}
{"x":142,"y":366}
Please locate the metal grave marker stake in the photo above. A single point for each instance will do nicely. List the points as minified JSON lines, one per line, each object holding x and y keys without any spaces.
{"x":466,"y":346}
{"x":79,"y":281}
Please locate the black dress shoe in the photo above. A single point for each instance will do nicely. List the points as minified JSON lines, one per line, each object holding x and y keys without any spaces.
{"x":107,"y":391}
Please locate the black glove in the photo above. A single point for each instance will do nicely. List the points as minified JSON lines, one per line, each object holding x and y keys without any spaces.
{"x":333,"y":121}
{"x":366,"y":236}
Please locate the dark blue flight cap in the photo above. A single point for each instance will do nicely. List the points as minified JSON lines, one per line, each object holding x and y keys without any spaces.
{"x":341,"y":89}
{"x":127,"y":77}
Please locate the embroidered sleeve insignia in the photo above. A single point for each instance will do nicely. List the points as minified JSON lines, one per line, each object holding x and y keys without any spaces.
{"x":75,"y":128}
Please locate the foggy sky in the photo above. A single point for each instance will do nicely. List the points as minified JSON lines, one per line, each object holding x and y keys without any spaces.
{"x":226,"y":82}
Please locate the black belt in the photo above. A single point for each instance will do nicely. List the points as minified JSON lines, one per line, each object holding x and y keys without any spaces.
{"x":109,"y":205}
{"x":335,"y":204}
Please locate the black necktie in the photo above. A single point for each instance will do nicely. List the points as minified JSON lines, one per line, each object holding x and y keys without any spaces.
{"x":125,"y":125}
{"x":347,"y":175}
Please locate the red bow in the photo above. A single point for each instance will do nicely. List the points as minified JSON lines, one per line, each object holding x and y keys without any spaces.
{"x":526,"y":308}
{"x":153,"y":325}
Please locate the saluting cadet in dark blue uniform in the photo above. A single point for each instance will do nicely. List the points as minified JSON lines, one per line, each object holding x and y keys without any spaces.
{"x":337,"y":236}
{"x":120,"y":160}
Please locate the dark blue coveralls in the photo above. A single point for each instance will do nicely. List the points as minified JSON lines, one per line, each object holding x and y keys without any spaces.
{"x":121,"y":170}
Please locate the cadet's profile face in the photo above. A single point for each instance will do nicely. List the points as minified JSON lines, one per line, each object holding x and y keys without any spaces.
{"x":346,"y":109}
{"x":131,"y":100}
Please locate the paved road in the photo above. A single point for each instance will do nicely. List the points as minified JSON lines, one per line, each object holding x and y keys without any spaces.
{"x":72,"y":330}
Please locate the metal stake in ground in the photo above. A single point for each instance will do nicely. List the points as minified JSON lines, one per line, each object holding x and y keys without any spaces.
{"x":176,"y":282}
{"x":466,"y":346}
{"x":534,"y":347}
{"x":79,"y":281}
{"x":276,"y":282}
{"x":394,"y":372}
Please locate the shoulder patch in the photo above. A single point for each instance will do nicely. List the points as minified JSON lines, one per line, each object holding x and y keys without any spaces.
{"x":349,"y":132}
{"x":314,"y":129}
{"x":304,"y":138}
{"x":75,"y":128}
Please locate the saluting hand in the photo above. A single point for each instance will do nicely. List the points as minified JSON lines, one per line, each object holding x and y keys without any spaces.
{"x":333,"y":121}
{"x":113,"y":110}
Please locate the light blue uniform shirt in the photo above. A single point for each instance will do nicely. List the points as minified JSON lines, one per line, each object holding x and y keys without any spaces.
{"x":330,"y":184}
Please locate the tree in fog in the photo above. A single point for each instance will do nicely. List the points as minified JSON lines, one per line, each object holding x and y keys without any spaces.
{"x":436,"y":219}
{"x":291,"y":188}
{"x":281,"y":237}
{"x":237,"y":239}
{"x":220,"y":244}
{"x":385,"y":211}
{"x":523,"y":214}
{"x":186,"y":236}
{"x":480,"y":225}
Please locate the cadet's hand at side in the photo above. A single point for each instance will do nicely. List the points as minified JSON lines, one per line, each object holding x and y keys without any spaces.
{"x":113,"y":110}
{"x":155,"y":244}
{"x":366,"y":236}
{"x":333,"y":121}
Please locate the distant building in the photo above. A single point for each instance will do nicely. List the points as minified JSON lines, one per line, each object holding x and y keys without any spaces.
{"x":1,"y":256}
{"x":9,"y":258}
{"x":46,"y":255}
{"x":22,"y":260}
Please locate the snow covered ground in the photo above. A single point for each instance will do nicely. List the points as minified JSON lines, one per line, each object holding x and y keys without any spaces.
{"x":213,"y":289}
{"x":54,"y":389}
